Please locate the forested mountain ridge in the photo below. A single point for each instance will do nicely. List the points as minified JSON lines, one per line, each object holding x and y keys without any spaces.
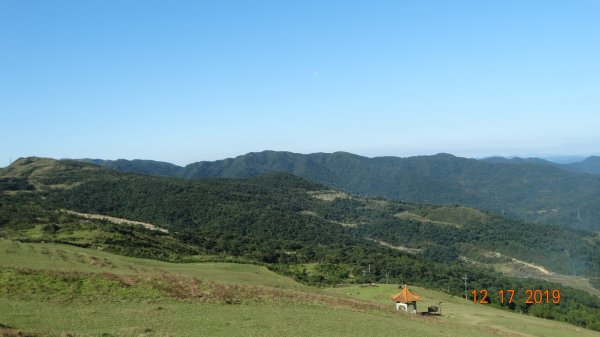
{"x":235,"y":215}
{"x":589,"y":165}
{"x":297,"y":227}
{"x":529,"y":189}
{"x":519,"y":160}
{"x":151,"y":167}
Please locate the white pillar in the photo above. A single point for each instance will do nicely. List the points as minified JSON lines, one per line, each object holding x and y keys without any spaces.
{"x":402,"y":306}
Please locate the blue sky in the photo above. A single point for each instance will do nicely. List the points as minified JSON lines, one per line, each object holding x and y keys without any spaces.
{"x":185,"y":81}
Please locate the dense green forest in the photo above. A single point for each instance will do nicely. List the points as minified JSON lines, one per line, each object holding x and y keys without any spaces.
{"x":294,"y":226}
{"x":527,"y":189}
{"x":275,"y":213}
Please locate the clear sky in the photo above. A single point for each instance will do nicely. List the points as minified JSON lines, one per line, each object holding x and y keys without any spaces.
{"x":184,"y":81}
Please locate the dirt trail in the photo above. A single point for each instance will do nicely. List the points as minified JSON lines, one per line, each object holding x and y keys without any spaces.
{"x":534,"y":266}
{"x":400,"y":248}
{"x":116,"y":220}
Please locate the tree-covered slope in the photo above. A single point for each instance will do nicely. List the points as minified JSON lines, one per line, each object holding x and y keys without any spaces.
{"x":531,"y":190}
{"x":589,"y":165}
{"x":281,"y":217}
{"x":151,"y":167}
{"x":296,"y":227}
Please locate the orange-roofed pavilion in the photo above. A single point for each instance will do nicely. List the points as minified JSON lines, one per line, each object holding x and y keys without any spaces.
{"x":406,"y":296}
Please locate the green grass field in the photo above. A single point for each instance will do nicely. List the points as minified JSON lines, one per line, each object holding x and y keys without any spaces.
{"x":190,"y":319}
{"x":459,"y":311}
{"x":59,"y":257}
{"x":60,"y":290}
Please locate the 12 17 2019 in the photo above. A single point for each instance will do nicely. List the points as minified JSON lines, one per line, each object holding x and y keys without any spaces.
{"x":507,"y":296}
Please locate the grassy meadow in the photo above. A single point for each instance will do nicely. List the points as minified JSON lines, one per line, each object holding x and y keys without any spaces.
{"x":465,"y":313}
{"x":60,"y":290}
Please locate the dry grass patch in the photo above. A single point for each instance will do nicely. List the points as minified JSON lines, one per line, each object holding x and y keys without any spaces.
{"x":329,"y":195}
{"x":10,"y":332}
{"x":65,"y":287}
{"x":184,"y":288}
{"x":115,"y":220}
{"x":415,"y":217}
{"x":409,"y":250}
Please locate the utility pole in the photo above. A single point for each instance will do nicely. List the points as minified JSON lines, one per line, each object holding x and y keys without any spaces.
{"x":386,"y":277}
{"x":466,"y":278}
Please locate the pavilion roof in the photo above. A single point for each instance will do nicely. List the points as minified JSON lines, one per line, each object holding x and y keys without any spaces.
{"x":406,"y":296}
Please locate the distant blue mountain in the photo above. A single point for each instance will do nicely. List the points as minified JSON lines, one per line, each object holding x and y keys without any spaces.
{"x":516,"y":160}
{"x":589,"y":165}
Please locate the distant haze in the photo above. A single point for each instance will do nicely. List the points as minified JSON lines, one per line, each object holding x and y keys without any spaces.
{"x":559,"y":159}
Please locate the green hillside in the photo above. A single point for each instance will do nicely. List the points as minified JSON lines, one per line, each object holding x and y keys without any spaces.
{"x":457,"y":311}
{"x":528,"y":189}
{"x":295,"y":227}
{"x":280,"y":218}
{"x":151,"y":167}
{"x":67,"y":290}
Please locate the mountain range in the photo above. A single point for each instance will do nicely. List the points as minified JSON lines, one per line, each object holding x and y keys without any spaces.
{"x":279,"y":217}
{"x":308,"y":230}
{"x":529,"y":189}
{"x":588,"y":165}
